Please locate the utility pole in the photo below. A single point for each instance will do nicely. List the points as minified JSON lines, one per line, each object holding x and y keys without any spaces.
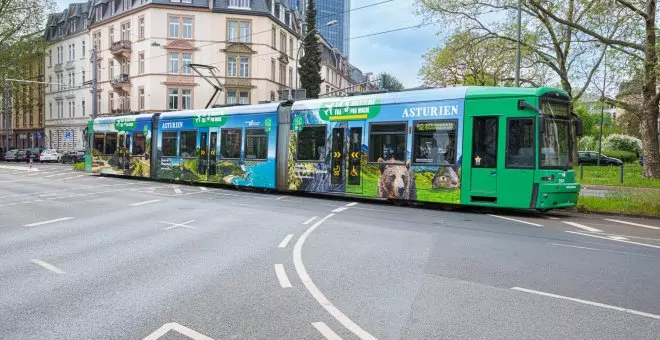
{"x":518,"y":43}
{"x":94,"y":81}
{"x":602,"y":108}
{"x":5,"y":111}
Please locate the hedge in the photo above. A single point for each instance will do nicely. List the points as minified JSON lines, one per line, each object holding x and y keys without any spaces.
{"x":624,"y":156}
{"x":616,"y":142}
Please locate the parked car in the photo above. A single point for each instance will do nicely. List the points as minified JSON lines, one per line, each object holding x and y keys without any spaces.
{"x":591,"y":158}
{"x":21,"y":155}
{"x":11,"y":155}
{"x":73,"y":157}
{"x":49,"y":155}
{"x":34,"y":154}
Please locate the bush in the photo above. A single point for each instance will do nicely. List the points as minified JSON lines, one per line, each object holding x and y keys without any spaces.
{"x":587,"y":143}
{"x":618,"y":142}
{"x":624,"y":156}
{"x":80,"y":166}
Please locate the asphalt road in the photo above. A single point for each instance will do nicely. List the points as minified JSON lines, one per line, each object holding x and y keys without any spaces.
{"x":88,"y":257}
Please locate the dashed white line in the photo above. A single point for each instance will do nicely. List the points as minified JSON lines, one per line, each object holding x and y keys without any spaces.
{"x":598,"y":249}
{"x":203,"y":189}
{"x":49,"y":221}
{"x":173,"y":326}
{"x":310,"y":220}
{"x":246,"y":205}
{"x":316,"y":293}
{"x":618,"y":238}
{"x":551,"y":217}
{"x":352,"y":204}
{"x":279,"y":198}
{"x":611,"y":239}
{"x":515,"y":220}
{"x":177,"y":189}
{"x":281,"y":276}
{"x":582,"y":226}
{"x":591,"y":303}
{"x":47,"y":266}
{"x":633,"y":223}
{"x":145,"y":202}
{"x":285,"y":241}
{"x":340,"y":209}
{"x":326,"y":331}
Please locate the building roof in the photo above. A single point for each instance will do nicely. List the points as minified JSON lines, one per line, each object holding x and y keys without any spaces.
{"x":265,"y":8}
{"x":60,"y":25}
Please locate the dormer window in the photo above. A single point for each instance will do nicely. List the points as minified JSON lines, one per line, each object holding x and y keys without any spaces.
{"x":73,"y":25}
{"x":287,"y":18}
{"x":277,"y":11}
{"x":127,"y":4}
{"x":99,"y":13}
{"x":239,"y":4}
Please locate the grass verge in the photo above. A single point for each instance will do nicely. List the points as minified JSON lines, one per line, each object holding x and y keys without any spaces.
{"x":609,"y":175}
{"x":645,"y":203}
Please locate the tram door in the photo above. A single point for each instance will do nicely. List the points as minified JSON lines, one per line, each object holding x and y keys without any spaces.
{"x":124,"y":151}
{"x":353,"y":171}
{"x":346,"y":153}
{"x":484,"y":174}
{"x":337,"y":162}
{"x":208,"y":141}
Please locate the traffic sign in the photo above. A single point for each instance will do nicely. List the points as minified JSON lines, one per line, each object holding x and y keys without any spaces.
{"x":67,"y":135}
{"x":38,"y":135}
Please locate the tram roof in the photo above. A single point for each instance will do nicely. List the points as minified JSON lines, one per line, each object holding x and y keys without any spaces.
{"x":433,"y":94}
{"x":228,"y":110}
{"x":101,"y":120}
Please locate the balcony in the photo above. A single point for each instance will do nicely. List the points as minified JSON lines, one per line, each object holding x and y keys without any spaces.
{"x":58,"y":67}
{"x":121,"y":48}
{"x":121,"y":82}
{"x":121,"y":105}
{"x":70,"y":65}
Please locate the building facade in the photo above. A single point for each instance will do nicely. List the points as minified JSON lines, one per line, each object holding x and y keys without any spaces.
{"x":28,"y":107}
{"x":68,"y":98}
{"x":145,"y":48}
{"x":337,"y":35}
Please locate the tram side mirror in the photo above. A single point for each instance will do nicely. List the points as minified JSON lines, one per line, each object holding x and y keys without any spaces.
{"x":579,"y":129}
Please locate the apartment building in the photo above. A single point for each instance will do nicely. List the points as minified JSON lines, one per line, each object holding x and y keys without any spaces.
{"x":28,"y":107}
{"x":335,"y":70}
{"x":67,"y":98}
{"x":144,"y":49}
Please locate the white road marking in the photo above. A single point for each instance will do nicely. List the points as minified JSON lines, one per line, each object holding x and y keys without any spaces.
{"x":618,"y":238}
{"x":607,"y":238}
{"x":582,"y":226}
{"x":310,"y":220}
{"x":285,"y":241}
{"x":515,"y":220}
{"x":316,"y":293}
{"x":47,"y":266}
{"x":591,"y":303}
{"x":174,"y":225}
{"x":203,"y":188}
{"x":340,"y":209}
{"x":326,"y":331}
{"x":281,"y":276}
{"x":551,"y":217}
{"x":177,"y":189}
{"x":145,"y":202}
{"x":49,"y":221}
{"x":588,"y":248}
{"x":352,"y":204}
{"x":633,"y":223}
{"x":279,"y":198}
{"x":173,"y":326}
{"x":246,"y":205}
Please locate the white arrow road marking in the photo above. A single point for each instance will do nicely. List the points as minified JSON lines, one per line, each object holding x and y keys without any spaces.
{"x":47,"y":266}
{"x":173,"y":326}
{"x":326,"y":331}
{"x":582,"y":226}
{"x":281,"y":276}
{"x":597,"y":304}
{"x":611,"y":239}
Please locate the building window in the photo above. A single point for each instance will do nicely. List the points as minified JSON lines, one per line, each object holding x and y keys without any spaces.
{"x":111,"y":35}
{"x":290,"y":77}
{"x":231,"y":97}
{"x":231,"y":30}
{"x":245,"y":31}
{"x":244,"y":97}
{"x":186,"y":60}
{"x":291,"y":47}
{"x":83,"y":77}
{"x":111,"y":101}
{"x":256,"y":144}
{"x":239,"y":3}
{"x":83,"y":108}
{"x":311,"y":143}
{"x":141,"y":99}
{"x":127,"y":4}
{"x":141,"y":28}
{"x":99,"y":13}
{"x":50,"y":58}
{"x":50,"y":110}
{"x":126,"y":31}
{"x":187,"y":28}
{"x":174,"y":62}
{"x":231,"y":66}
{"x":283,"y":42}
{"x":245,"y":67}
{"x":272,"y":96}
{"x":230,"y":143}
{"x":272,"y":69}
{"x":387,"y":141}
{"x":282,"y":73}
{"x":96,"y":42}
{"x":173,"y":99}
{"x":83,"y":49}
{"x":174,"y":27}
{"x":111,"y":69}
{"x":186,"y":99}
{"x":273,"y":38}
{"x":141,"y":63}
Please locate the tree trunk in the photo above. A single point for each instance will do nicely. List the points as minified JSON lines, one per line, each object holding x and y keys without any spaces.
{"x":649,"y":114}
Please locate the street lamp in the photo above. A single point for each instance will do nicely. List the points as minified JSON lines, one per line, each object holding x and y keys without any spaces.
{"x":328,"y":24}
{"x":602,"y":107}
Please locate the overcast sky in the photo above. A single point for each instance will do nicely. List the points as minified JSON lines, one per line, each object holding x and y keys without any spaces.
{"x":399,"y":53}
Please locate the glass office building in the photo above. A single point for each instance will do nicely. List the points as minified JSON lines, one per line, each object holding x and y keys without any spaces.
{"x":337,"y":35}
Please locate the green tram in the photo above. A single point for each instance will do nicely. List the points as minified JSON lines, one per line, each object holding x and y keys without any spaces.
{"x":484,"y":146}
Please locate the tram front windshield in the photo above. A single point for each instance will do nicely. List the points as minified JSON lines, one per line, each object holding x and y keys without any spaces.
{"x":555,"y":142}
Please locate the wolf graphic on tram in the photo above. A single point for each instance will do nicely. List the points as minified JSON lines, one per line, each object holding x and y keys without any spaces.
{"x":485,"y":146}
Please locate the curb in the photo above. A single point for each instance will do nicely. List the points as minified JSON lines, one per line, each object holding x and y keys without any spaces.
{"x":576,"y":211}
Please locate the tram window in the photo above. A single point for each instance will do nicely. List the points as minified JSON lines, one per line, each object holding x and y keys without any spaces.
{"x":311,"y":143}
{"x":188,"y":144}
{"x":110,"y":143}
{"x":484,"y":142}
{"x":230,"y":143}
{"x":435,"y":142}
{"x":256,"y":144}
{"x":99,"y":138}
{"x":520,"y":143}
{"x":139,"y":143}
{"x":169,"y":143}
{"x":387,"y":141}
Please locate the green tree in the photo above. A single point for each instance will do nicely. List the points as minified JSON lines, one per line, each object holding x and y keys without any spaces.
{"x":389,"y":82}
{"x":310,"y":63}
